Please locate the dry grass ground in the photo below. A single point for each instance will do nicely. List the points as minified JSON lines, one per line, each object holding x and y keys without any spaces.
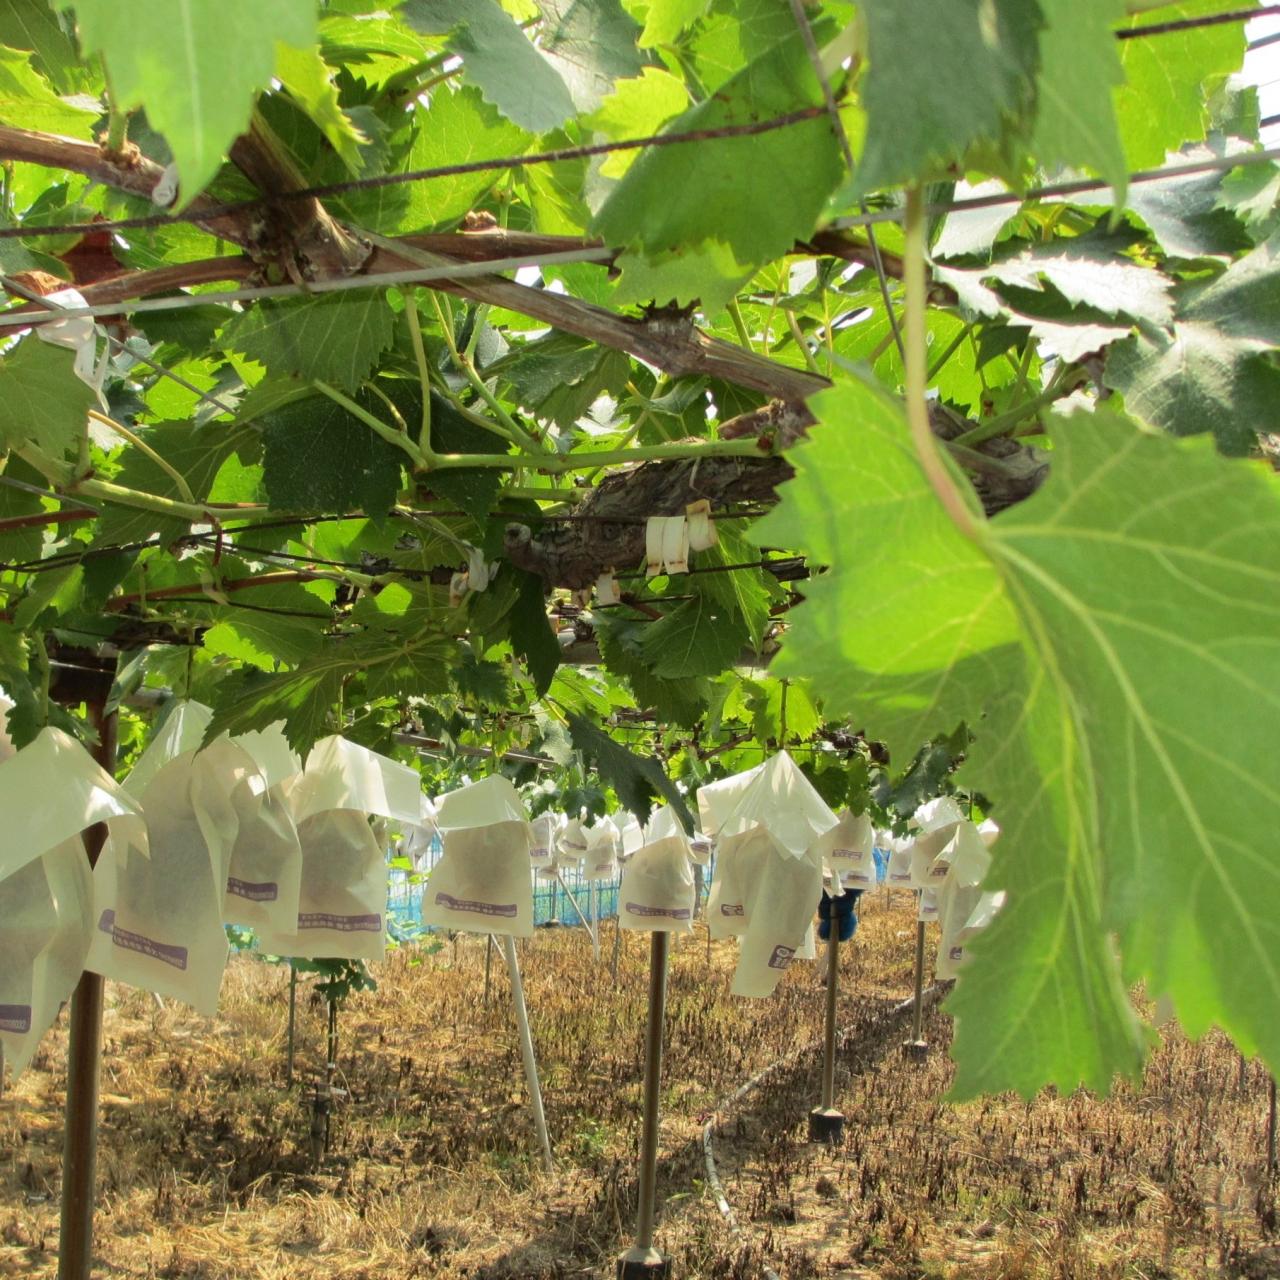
{"x":205,"y":1167}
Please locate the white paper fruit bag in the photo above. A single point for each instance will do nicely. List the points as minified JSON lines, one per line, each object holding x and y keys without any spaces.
{"x":482,"y":884}
{"x":656,"y":893}
{"x":846,"y":850}
{"x":342,"y":898}
{"x":158,"y":917}
{"x":769,"y":872}
{"x":265,"y":870}
{"x":600,"y":862}
{"x":46,"y":889}
{"x":545,"y":830}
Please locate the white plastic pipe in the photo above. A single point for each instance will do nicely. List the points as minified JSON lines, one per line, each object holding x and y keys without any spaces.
{"x":526,"y":1050}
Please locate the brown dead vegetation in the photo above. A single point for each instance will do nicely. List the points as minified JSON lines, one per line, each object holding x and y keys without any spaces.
{"x":205,"y":1168}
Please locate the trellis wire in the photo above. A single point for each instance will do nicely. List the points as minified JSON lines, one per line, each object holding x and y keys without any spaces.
{"x":462,"y":270}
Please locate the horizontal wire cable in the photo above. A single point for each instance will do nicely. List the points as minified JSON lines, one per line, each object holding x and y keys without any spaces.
{"x":462,"y":270}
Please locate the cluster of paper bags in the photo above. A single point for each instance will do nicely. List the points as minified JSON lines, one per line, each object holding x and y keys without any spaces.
{"x":242,"y":832}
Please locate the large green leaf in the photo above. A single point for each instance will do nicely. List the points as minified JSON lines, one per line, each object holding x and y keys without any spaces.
{"x":532,"y":636}
{"x":42,"y":402}
{"x":333,"y":337}
{"x":304,"y":699}
{"x":700,"y":637}
{"x":1164,"y":100}
{"x":1079,"y":66}
{"x":26,"y":97}
{"x":741,"y":198}
{"x":1210,"y":371}
{"x":1065,"y":635}
{"x":196,"y":84}
{"x":318,"y":457}
{"x":931,"y":56}
{"x":36,"y":28}
{"x":585,"y":46}
{"x":458,"y":127}
{"x":636,"y":779}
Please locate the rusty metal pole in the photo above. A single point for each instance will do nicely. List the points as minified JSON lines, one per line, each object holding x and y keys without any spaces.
{"x":84,"y":1053}
{"x":826,"y":1124}
{"x":642,"y":1260}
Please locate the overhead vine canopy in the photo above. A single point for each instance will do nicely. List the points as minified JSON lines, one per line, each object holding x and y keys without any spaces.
{"x":959,"y":317}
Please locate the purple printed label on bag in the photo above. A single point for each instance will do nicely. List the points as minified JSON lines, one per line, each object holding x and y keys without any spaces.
{"x":672,"y":913}
{"x":539,"y":853}
{"x":15,"y":1018}
{"x":605,"y":866}
{"x":782,"y":956}
{"x":165,"y":952}
{"x":732,"y":909}
{"x":845,"y":853}
{"x":857,"y":877}
{"x":939,"y":869}
{"x":268,"y":891}
{"x":507,"y":910}
{"x":900,"y":875}
{"x":344,"y":924}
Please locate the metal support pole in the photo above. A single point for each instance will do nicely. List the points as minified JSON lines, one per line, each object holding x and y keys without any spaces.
{"x":642,"y":1259}
{"x":826,"y":1124}
{"x":526,"y":1050}
{"x":617,"y":943}
{"x":917,"y":1046}
{"x":554,"y":918}
{"x":84,"y":1052}
{"x":594,"y":907}
{"x":1271,"y":1126}
{"x":488,"y":962}
{"x":568,"y":893}
{"x":293,"y":1017}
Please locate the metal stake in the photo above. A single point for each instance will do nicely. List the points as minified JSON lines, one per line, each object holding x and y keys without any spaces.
{"x":1271,"y":1126}
{"x":526,"y":1050}
{"x":617,"y":944}
{"x":293,"y":1011}
{"x":917,"y":1046}
{"x":594,"y":907}
{"x":582,"y":919}
{"x":488,"y":961}
{"x":642,"y":1259}
{"x":826,"y":1124}
{"x":84,"y":1052}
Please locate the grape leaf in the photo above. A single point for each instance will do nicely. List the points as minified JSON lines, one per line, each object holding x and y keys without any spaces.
{"x":756,"y":212}
{"x":196,"y":84}
{"x":591,"y":43}
{"x":417,"y":669}
{"x":1163,"y":102}
{"x":637,"y":108}
{"x":317,"y":457}
{"x":333,"y":337}
{"x":1066,"y":647}
{"x":27,"y":97}
{"x":665,"y":19}
{"x":1079,"y":66}
{"x":304,"y":73}
{"x":932,"y":56}
{"x":1089,"y":274}
{"x":1210,"y":372}
{"x":264,"y":639}
{"x":498,"y":58}
{"x":35,"y":27}
{"x":1183,"y":213}
{"x":302,"y":699}
{"x":196,"y":453}
{"x":636,"y":779}
{"x":42,"y":402}
{"x":697,"y":638}
{"x":458,"y":127}
{"x":532,"y":636}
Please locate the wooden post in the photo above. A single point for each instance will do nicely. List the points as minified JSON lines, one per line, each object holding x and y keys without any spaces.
{"x":1271,"y":1125}
{"x":90,"y":684}
{"x":917,"y":1046}
{"x":488,"y":963}
{"x":293,"y":1012}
